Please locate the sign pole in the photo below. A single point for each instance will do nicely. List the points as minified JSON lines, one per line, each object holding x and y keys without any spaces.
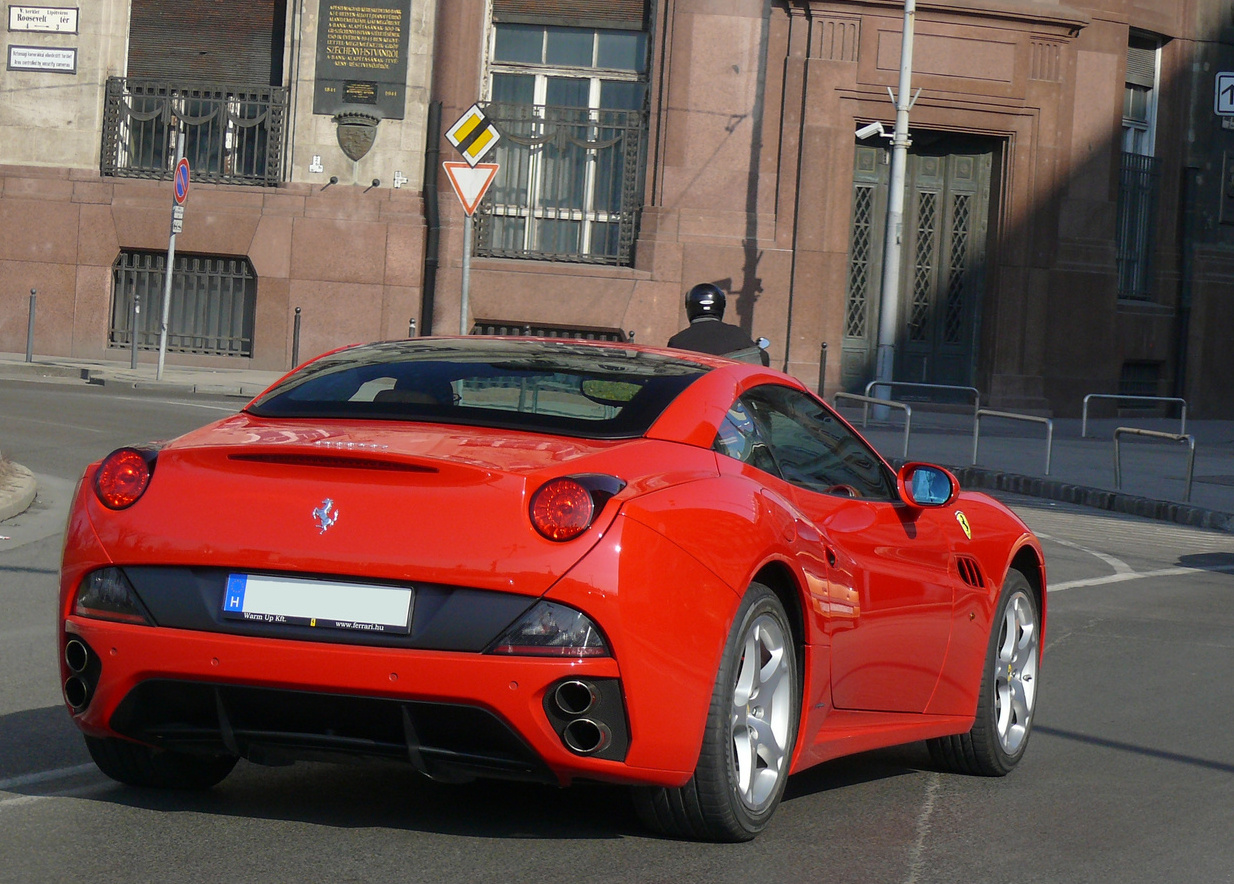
{"x":470,"y":183}
{"x":171,"y":257}
{"x":473,"y":135}
{"x":463,"y":306}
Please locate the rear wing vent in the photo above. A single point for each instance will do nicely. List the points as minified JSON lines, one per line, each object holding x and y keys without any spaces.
{"x":970,"y":571}
{"x":337,"y":461}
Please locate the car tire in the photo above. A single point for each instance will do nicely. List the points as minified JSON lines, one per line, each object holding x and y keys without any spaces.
{"x":748,"y":741}
{"x":1005,"y":707}
{"x":138,"y":765}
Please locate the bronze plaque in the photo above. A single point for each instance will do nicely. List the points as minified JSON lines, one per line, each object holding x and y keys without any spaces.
{"x":362,"y":56}
{"x":359,"y":93}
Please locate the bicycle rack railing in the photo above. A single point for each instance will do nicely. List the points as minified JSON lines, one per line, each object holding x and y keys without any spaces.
{"x":1084,"y":414}
{"x":1172,"y":437}
{"x":867,"y":401}
{"x":987,"y":412}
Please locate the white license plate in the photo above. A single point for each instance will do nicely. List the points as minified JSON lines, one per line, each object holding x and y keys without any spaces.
{"x":323,"y":604}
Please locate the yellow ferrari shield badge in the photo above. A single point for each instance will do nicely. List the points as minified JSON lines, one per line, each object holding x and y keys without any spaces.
{"x":963,"y":520}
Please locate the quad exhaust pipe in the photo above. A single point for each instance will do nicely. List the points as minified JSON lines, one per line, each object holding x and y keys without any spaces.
{"x":581,"y":732}
{"x":586,"y":737}
{"x":79,"y":686}
{"x":575,"y":697}
{"x":76,"y":655}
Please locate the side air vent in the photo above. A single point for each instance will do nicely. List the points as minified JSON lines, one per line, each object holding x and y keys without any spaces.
{"x":338,"y":461}
{"x":970,"y":571}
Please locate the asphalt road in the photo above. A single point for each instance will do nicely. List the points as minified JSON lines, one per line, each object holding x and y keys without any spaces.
{"x":1128,"y":776}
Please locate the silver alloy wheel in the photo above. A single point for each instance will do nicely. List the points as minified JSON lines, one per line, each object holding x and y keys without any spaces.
{"x":761,"y":714}
{"x":1015,"y":672}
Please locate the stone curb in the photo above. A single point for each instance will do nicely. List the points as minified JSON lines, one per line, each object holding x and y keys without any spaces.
{"x":17,"y":491}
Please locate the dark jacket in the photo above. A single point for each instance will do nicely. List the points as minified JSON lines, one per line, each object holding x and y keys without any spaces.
{"x":707,"y":334}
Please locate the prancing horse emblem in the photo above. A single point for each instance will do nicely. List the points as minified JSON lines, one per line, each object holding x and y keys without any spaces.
{"x":326,"y":515}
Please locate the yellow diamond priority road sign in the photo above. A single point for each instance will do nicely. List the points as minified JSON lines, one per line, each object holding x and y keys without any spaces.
{"x":474,"y":135}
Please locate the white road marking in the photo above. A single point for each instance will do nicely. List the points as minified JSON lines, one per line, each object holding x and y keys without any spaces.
{"x":49,"y":776}
{"x":1119,"y":566}
{"x":45,"y":776}
{"x":1137,"y":575}
{"x":1122,"y":571}
{"x":916,"y":860}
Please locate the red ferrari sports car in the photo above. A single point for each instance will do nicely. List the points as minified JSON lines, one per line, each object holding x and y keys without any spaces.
{"x":544,"y":560}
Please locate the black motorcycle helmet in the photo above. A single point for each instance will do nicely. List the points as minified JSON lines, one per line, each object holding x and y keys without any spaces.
{"x":705,"y":299}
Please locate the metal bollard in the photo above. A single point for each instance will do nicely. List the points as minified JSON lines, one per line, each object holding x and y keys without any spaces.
{"x":133,"y":328}
{"x":295,"y":341}
{"x":822,"y":368}
{"x":411,"y":327}
{"x":34,"y":295}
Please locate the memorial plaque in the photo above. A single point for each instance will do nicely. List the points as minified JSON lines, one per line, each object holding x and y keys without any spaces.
{"x":362,"y":56}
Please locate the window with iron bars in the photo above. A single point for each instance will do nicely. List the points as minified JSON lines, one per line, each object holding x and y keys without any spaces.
{"x":570,"y":106}
{"x":1139,"y":170}
{"x":233,"y":134}
{"x":213,"y":303}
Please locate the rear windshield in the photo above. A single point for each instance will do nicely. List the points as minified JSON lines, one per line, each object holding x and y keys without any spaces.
{"x":570,"y":388}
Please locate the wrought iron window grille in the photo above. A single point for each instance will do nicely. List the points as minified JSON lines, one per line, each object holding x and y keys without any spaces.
{"x":1137,"y":206}
{"x":234,"y":133}
{"x":213,"y":303}
{"x":569,"y":187}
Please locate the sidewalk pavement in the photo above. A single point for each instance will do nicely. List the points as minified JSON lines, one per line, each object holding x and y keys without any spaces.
{"x":1011,"y":454}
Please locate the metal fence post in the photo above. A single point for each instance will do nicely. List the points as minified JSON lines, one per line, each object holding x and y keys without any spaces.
{"x":295,"y":340}
{"x":34,"y":295}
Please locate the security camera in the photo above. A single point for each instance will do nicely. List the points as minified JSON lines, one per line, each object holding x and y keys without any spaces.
{"x":870,"y":129}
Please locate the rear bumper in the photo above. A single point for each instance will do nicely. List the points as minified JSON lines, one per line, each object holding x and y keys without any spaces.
{"x":451,"y":715}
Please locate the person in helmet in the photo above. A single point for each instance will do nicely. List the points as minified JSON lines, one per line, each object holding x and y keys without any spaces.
{"x":707,"y":331}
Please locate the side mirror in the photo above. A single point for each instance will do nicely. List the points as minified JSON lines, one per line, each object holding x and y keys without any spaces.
{"x":925,"y":485}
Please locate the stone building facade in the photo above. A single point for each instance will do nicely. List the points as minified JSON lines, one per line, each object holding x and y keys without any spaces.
{"x":1068,"y":210}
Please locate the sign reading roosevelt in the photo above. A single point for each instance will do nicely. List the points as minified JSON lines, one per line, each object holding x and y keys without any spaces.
{"x":362,"y":57}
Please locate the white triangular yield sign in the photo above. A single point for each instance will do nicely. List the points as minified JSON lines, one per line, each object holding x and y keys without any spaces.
{"x":470,"y":183}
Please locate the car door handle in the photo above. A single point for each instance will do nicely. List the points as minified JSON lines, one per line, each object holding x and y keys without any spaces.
{"x":831,"y":557}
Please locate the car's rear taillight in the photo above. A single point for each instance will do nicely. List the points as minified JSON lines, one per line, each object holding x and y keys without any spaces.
{"x":563,"y":508}
{"x":123,"y":477}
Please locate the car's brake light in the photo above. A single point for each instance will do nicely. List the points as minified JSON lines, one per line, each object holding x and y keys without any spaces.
{"x":562,"y":509}
{"x":123,"y":477}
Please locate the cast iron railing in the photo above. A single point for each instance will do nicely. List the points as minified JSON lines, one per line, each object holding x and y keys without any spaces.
{"x":233,"y":134}
{"x":569,"y":187}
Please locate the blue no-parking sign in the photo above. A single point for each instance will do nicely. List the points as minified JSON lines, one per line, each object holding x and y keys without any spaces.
{"x":181,"y":181}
